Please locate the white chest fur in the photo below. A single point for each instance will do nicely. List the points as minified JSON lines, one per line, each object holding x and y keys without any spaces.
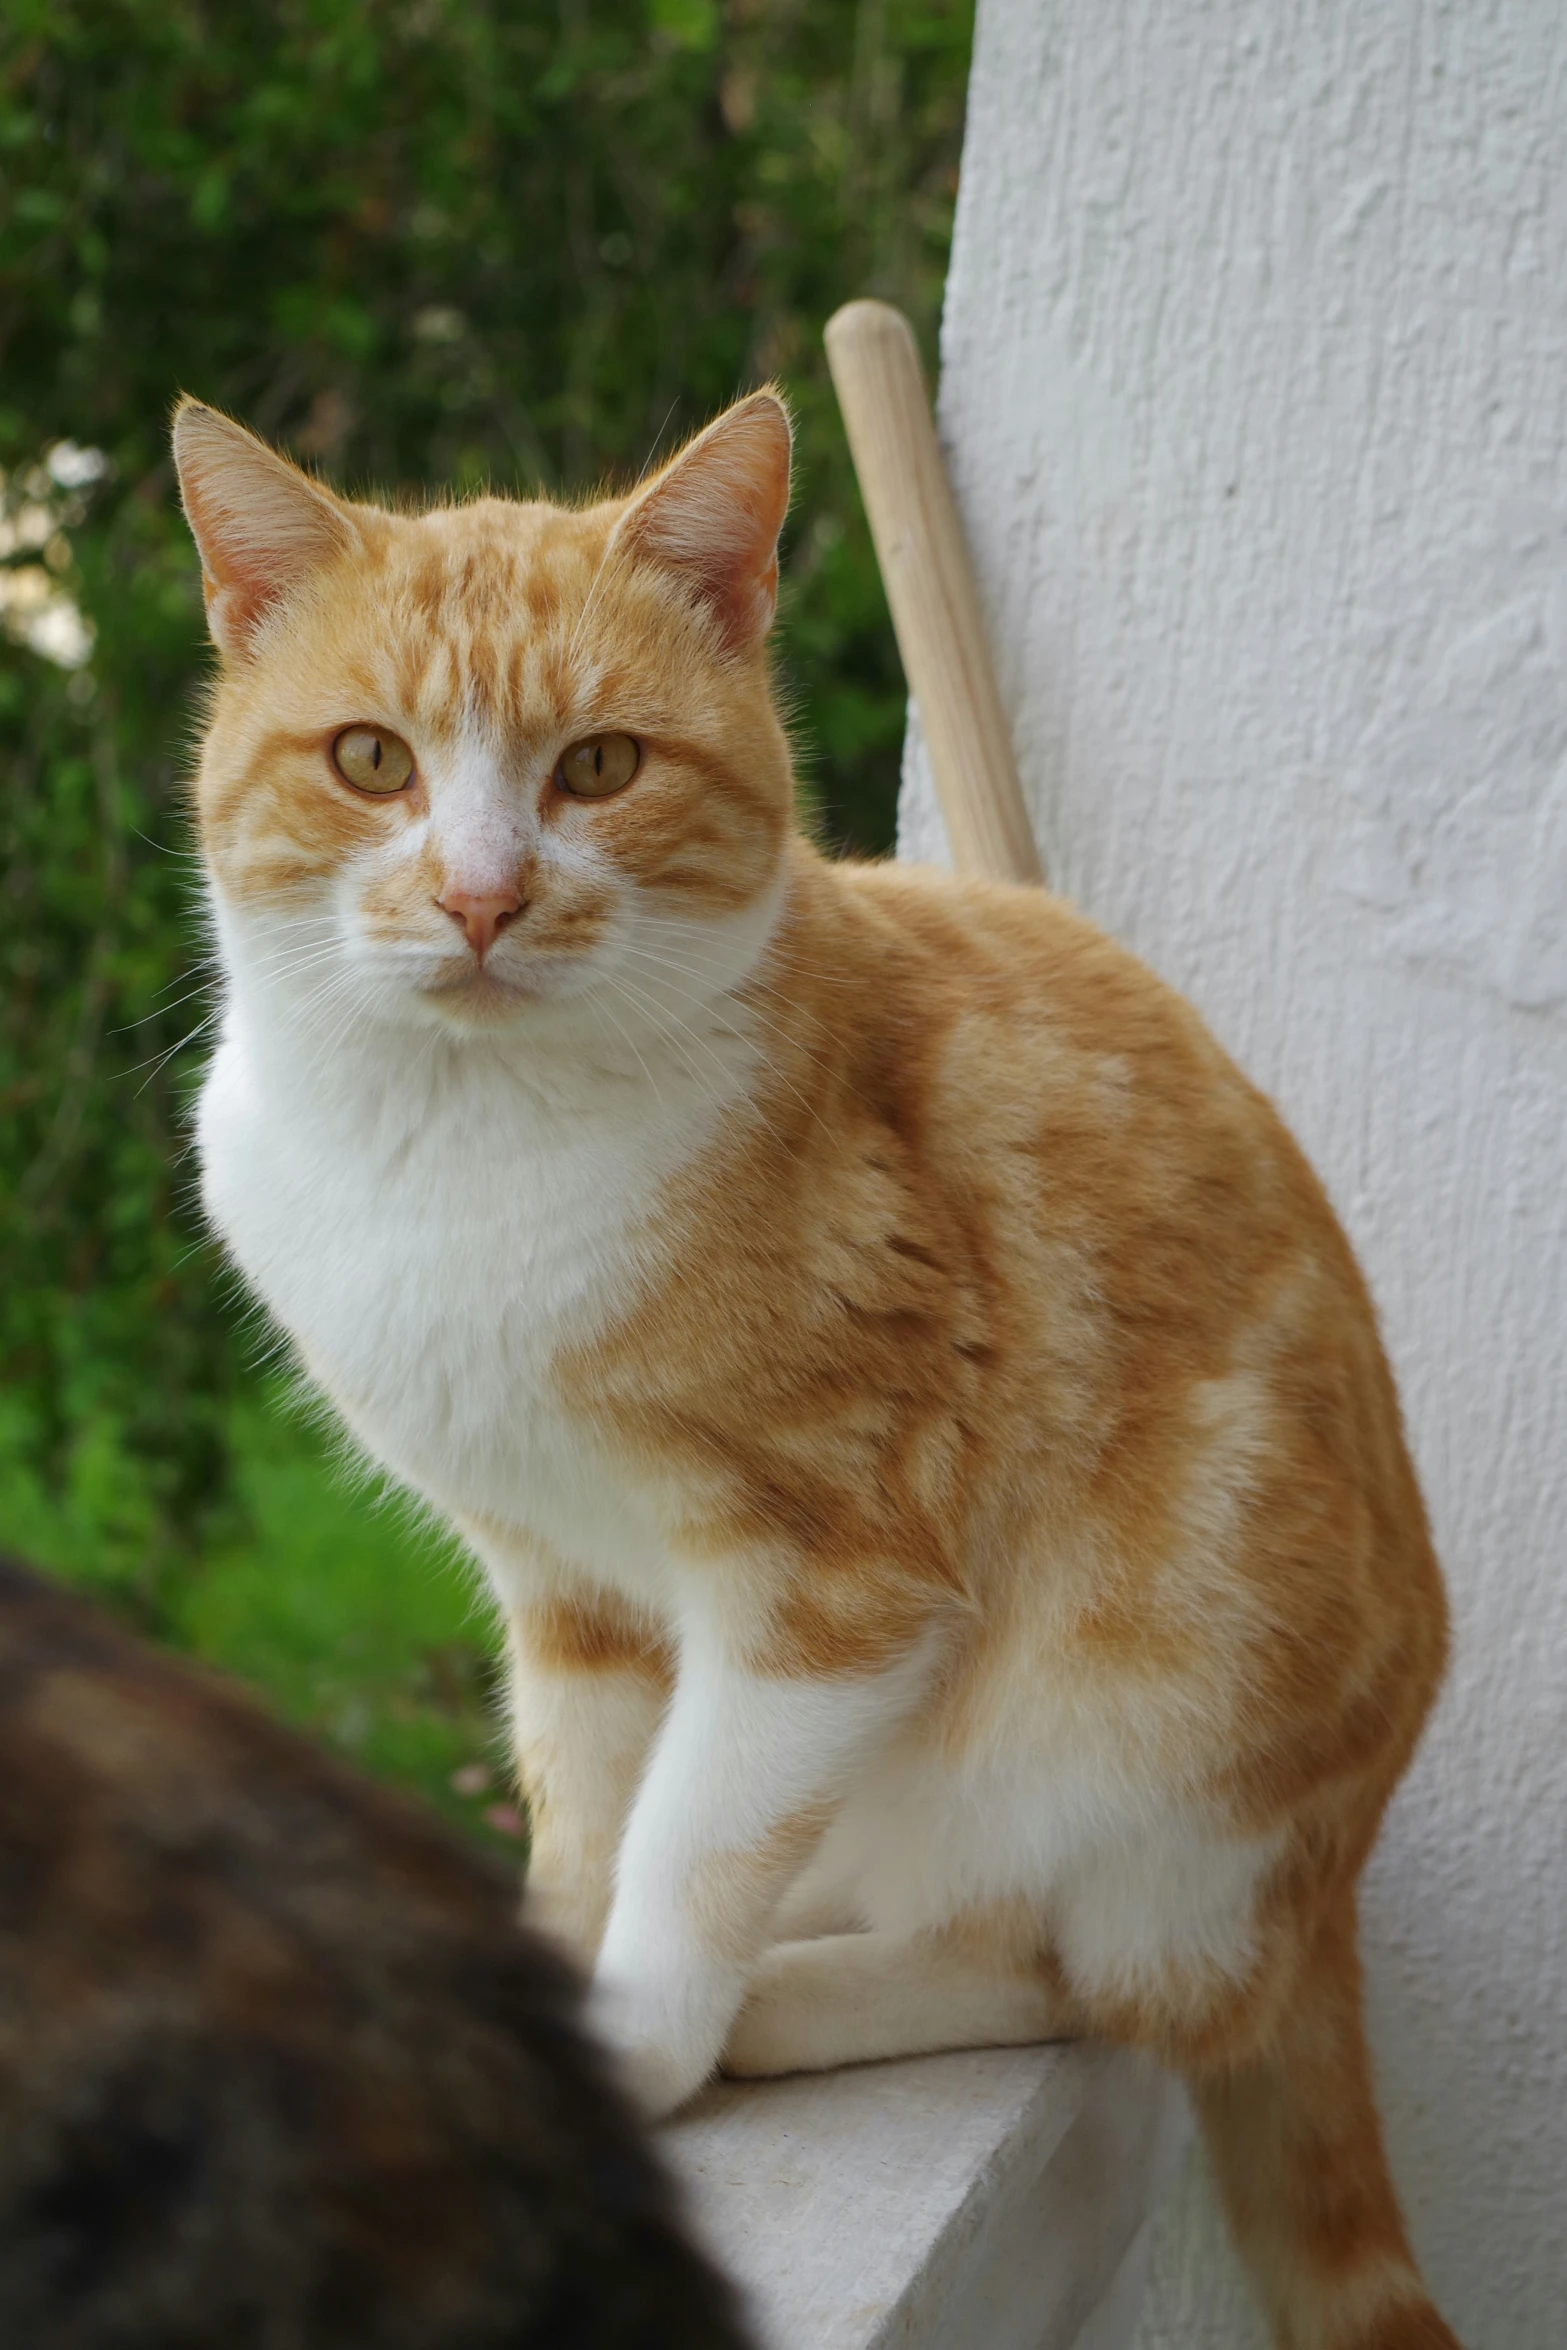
{"x":431,"y":1232}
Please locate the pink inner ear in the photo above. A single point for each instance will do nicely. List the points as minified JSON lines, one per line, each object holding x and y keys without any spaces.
{"x":715,"y":512}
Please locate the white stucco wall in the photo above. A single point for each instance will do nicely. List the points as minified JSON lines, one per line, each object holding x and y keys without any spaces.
{"x":1255,"y":389}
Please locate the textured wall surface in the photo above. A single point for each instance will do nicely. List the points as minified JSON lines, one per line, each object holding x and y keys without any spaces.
{"x":1255,"y":389}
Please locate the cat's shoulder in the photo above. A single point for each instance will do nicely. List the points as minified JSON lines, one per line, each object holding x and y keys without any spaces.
{"x":1002,"y":1007}
{"x":1018,"y":952}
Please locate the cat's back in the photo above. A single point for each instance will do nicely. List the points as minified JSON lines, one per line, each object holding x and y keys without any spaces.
{"x":1169,"y":1325}
{"x":1025,"y":1035}
{"x":1162,"y":1275}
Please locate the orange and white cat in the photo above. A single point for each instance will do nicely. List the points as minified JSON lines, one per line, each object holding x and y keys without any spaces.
{"x":922,"y":1423}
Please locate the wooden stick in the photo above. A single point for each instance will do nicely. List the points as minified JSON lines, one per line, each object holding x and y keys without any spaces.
{"x":930,"y":588}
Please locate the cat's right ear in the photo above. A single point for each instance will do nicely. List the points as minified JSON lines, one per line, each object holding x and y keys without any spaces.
{"x":260,"y":525}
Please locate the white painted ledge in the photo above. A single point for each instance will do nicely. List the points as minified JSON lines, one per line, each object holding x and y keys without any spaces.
{"x":989,"y":2201}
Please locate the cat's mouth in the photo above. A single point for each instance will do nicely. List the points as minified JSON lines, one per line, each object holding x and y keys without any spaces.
{"x":478,"y":995}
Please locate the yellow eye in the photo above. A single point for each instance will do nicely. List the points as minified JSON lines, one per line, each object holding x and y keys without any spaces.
{"x":603,"y":764}
{"x":371,"y":759}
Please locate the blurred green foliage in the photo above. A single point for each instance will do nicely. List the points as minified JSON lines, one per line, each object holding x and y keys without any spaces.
{"x":421,"y":242}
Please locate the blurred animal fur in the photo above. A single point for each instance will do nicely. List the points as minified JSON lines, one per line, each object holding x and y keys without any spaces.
{"x":921,"y":1420}
{"x":276,"y":2066}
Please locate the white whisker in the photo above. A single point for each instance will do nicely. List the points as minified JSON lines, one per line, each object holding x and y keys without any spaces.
{"x":768,"y":1063}
{"x":700,"y":971}
{"x":631,"y":1041}
{"x":158,"y":1061}
{"x":702,"y":1087}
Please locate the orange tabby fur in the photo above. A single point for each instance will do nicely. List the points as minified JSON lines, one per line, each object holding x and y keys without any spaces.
{"x":992,"y":1321}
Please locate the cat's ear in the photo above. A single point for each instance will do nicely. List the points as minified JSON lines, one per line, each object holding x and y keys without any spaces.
{"x":261,"y":525}
{"x":714,"y":513}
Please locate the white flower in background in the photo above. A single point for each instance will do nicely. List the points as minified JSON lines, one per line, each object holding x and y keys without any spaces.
{"x":74,"y":468}
{"x":61,"y":634}
{"x":39,"y":506}
{"x":439,"y":324}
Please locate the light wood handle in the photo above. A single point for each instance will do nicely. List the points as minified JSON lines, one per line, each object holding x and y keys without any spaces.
{"x":925,"y":569}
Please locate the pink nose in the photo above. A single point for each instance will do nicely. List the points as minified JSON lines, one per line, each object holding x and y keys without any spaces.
{"x":483,"y":918}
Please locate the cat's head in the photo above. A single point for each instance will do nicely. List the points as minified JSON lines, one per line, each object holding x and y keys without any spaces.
{"x":468,"y":763}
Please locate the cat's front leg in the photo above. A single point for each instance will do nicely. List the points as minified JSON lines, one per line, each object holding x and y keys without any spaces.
{"x":588,"y":1684}
{"x":746,"y":1772}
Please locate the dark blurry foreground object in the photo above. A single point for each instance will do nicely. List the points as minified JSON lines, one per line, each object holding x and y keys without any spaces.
{"x":277,"y":2067}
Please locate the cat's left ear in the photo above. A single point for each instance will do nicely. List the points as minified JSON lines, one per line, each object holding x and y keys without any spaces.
{"x":260,"y":525}
{"x":713,"y":516}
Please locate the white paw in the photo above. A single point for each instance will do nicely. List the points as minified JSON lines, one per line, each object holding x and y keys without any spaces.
{"x":660,"y":2080}
{"x":756,"y":2049}
{"x":664,"y":2041}
{"x":772,"y":2032}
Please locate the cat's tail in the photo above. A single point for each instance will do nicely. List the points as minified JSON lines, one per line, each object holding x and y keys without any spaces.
{"x":1297,"y":2147}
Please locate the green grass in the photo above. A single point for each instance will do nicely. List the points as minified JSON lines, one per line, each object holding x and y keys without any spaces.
{"x":341,"y":1612}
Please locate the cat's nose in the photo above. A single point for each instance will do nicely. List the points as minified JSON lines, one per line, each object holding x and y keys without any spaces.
{"x":482,"y":918}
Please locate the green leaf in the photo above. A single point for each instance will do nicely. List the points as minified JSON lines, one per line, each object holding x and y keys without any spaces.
{"x":686,"y":24}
